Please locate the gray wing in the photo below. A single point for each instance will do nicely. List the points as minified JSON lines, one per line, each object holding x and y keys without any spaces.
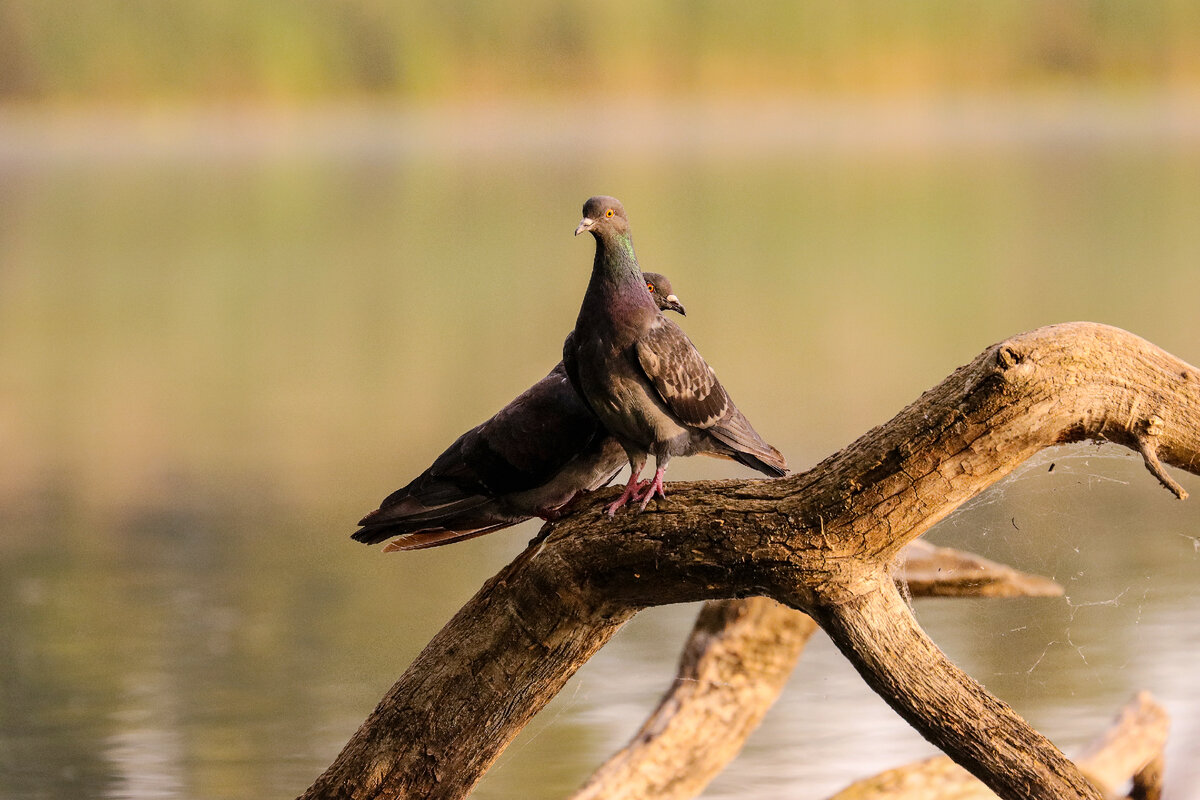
{"x":686,"y":384}
{"x":690,"y":389}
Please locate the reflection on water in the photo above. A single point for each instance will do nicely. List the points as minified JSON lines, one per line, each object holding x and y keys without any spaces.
{"x":211,"y":368}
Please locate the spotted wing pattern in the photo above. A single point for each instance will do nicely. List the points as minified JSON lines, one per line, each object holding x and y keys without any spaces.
{"x":679,"y":374}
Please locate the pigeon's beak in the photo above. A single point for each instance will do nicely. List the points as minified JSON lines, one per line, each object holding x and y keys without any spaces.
{"x":674,"y":305}
{"x":585,"y":224}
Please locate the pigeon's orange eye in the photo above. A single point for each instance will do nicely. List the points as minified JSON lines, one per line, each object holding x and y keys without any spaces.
{"x":650,"y":286}
{"x":608,"y":213}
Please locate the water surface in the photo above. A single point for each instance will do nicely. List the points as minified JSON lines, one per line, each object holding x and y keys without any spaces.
{"x":215,"y":359}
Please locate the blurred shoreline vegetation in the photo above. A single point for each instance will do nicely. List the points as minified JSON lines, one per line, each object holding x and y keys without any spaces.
{"x":290,"y":52}
{"x":201,"y":297}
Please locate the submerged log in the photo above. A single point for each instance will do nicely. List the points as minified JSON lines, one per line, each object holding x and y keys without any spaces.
{"x":1130,"y":751}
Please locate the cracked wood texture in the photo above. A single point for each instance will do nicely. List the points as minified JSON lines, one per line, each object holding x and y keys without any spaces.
{"x":819,"y":541}
{"x":738,"y":659}
{"x":1129,"y":752}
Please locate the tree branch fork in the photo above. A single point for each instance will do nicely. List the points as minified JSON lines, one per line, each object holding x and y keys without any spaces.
{"x":825,"y":542}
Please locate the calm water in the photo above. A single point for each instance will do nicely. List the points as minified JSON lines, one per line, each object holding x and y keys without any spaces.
{"x":220,"y":348}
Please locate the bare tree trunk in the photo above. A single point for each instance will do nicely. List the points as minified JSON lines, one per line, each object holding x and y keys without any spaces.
{"x":737,"y":661}
{"x":820,"y":542}
{"x":474,"y":686}
{"x":873,"y":627}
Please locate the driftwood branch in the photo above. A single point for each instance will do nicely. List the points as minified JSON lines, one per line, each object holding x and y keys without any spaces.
{"x":875,"y":630}
{"x":732,"y":669}
{"x":820,"y":542}
{"x":738,"y":659}
{"x":929,"y":571}
{"x":1131,"y":750}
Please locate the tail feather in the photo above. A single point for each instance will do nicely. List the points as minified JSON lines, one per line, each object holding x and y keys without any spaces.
{"x":409,"y":516}
{"x":736,"y":433}
{"x":421,"y":540}
{"x":776,"y":468}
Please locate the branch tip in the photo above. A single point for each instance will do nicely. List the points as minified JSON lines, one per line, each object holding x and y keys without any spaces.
{"x":1149,"y":451}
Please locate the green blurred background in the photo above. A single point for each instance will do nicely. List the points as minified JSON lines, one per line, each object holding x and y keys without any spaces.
{"x":134,"y":51}
{"x":260,"y":263}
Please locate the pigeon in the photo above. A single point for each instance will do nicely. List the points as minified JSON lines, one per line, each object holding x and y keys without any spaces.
{"x":530,"y":460}
{"x":642,"y":376}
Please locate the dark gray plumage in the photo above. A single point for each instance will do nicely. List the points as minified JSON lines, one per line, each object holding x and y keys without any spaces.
{"x":641,"y":374}
{"x":529,"y":460}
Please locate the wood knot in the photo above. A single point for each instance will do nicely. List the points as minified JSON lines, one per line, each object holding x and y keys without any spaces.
{"x":1153,"y":425}
{"x":1007,"y":357}
{"x":1151,"y":428}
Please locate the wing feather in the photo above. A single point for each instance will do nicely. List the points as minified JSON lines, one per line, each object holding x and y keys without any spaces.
{"x":686,"y":384}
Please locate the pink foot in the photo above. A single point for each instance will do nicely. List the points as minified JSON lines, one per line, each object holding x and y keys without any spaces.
{"x":654,"y":487}
{"x":633,"y":491}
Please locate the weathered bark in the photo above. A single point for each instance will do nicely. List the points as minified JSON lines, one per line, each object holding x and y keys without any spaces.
{"x":819,"y":541}
{"x":1131,"y":749}
{"x":467,"y":694}
{"x":873,"y":627}
{"x":737,"y":661}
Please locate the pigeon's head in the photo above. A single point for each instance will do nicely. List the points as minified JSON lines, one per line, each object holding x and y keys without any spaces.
{"x":603,"y":215}
{"x":660,"y":290}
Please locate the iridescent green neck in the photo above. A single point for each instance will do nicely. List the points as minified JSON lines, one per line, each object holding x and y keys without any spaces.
{"x":615,"y":258}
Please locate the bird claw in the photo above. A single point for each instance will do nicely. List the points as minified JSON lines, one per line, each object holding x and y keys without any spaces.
{"x":633,"y":491}
{"x":654,"y":487}
{"x":638,"y":490}
{"x":634,"y":488}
